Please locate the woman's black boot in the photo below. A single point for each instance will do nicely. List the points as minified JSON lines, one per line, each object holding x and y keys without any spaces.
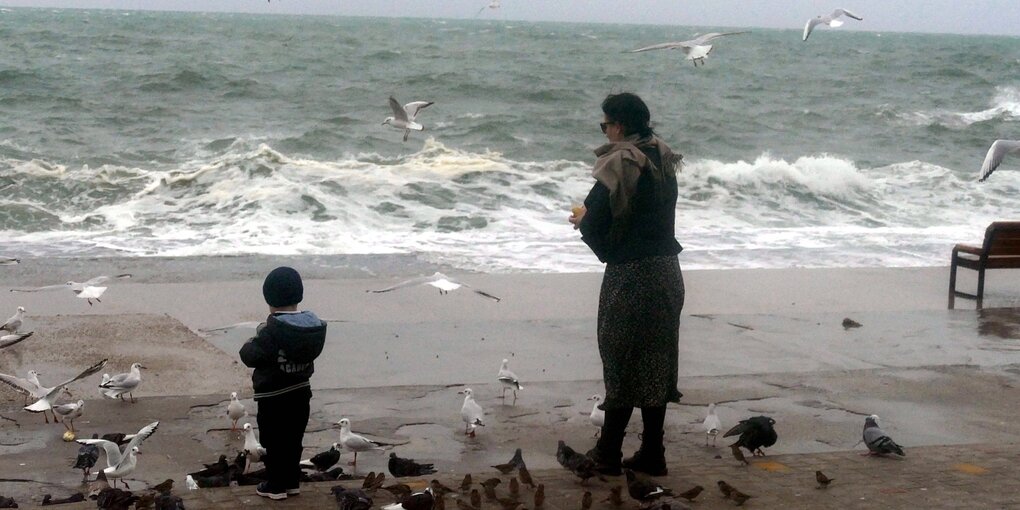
{"x":609,"y":449}
{"x":651,"y":457}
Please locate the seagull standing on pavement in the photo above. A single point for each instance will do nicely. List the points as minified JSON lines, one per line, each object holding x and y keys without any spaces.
{"x":354,"y":442}
{"x":711,"y":424}
{"x":508,"y":379}
{"x":598,"y":415}
{"x":235,"y":411}
{"x":471,"y":413}
{"x":121,"y":384}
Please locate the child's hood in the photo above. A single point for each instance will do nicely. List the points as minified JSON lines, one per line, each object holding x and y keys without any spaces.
{"x":301,"y":336}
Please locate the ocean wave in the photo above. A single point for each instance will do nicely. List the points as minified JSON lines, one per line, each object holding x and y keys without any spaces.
{"x":1004,"y":105}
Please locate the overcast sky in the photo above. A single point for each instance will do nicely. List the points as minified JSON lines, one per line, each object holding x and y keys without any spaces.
{"x":939,"y":16}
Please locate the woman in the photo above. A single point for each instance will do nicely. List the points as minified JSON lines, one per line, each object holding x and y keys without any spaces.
{"x":628,"y":222}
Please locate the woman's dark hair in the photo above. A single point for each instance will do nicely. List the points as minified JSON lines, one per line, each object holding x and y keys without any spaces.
{"x":630,"y":111}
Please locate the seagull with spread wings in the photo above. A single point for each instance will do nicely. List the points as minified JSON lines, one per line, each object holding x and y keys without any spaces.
{"x":121,"y":463}
{"x":696,"y":49}
{"x":831,"y":20}
{"x":45,"y":403}
{"x":29,"y":387}
{"x":996,"y":153}
{"x":88,"y":290}
{"x":404,"y":116}
{"x":440,"y":281}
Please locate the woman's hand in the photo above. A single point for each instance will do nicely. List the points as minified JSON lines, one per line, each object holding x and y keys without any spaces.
{"x":577,"y":212}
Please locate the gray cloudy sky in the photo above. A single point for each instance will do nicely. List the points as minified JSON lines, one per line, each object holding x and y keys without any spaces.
{"x":939,"y":16}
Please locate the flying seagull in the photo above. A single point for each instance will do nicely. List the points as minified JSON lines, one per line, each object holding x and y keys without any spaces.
{"x":9,"y":340}
{"x":88,"y":290}
{"x":696,"y":49}
{"x":9,"y":261}
{"x":404,"y":116}
{"x":831,"y":20}
{"x":30,"y":387}
{"x":996,"y":152}
{"x":494,"y":4}
{"x":440,"y":281}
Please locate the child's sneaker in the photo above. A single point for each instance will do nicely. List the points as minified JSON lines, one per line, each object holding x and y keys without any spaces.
{"x":263,"y":490}
{"x":296,"y":491}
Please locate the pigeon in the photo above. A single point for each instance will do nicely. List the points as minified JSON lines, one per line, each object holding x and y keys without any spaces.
{"x":444,"y":283}
{"x":88,"y":454}
{"x":877,"y":441}
{"x":995,"y":154}
{"x":831,"y":20}
{"x":525,"y":476}
{"x":9,"y":340}
{"x":334,"y":474}
{"x":471,"y":413}
{"x":598,"y":415}
{"x":167,"y":501}
{"x":755,"y":433}
{"x":823,"y":481}
{"x":711,"y":425}
{"x":515,"y":462}
{"x":696,"y":49}
{"x":216,"y":468}
{"x":351,"y":499}
{"x":586,"y":500}
{"x":354,"y":442}
{"x":465,"y":485}
{"x":691,"y":493}
{"x":45,"y":403}
{"x":253,"y":450}
{"x":614,"y":496}
{"x":115,"y":499}
{"x":97,"y":486}
{"x":235,"y":411}
{"x":68,"y":413}
{"x":508,"y":379}
{"x":644,"y":490}
{"x":404,"y":116}
{"x":322,"y":461}
{"x":540,"y":495}
{"x":121,"y":384}
{"x":121,"y":463}
{"x":407,"y":467}
{"x":88,"y":290}
{"x":14,"y":323}
{"x":581,"y":465}
{"x":418,"y":501}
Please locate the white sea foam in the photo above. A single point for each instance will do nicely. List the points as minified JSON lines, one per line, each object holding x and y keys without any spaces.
{"x":1005,"y":105}
{"x":483,"y":211}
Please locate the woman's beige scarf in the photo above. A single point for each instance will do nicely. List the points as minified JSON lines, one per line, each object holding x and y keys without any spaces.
{"x":619,"y":166}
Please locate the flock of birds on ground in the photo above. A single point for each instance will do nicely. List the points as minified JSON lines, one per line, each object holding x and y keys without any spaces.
{"x":121,"y":450}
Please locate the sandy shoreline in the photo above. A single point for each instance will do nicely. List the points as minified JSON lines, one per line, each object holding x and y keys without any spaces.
{"x":756,"y":341}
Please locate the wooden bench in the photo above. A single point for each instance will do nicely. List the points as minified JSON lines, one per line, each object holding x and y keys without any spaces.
{"x":1001,"y":250}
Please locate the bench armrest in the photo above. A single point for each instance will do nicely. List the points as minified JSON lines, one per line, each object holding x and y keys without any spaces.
{"x":966,"y":248}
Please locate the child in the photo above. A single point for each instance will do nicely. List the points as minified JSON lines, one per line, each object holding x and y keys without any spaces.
{"x":282,"y":353}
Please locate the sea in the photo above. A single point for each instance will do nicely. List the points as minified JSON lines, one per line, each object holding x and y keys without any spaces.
{"x":142,"y":134}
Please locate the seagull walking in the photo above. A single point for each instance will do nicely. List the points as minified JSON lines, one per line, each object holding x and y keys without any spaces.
{"x":121,"y":384}
{"x":354,"y":442}
{"x":877,"y":441}
{"x":88,"y":290}
{"x":994,"y":157}
{"x":235,"y":411}
{"x":831,"y":20}
{"x":711,"y":424}
{"x":404,"y":116}
{"x":68,"y":412}
{"x":14,"y":323}
{"x":696,"y":49}
{"x":444,"y":283}
{"x":471,"y":413}
{"x":508,"y":379}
